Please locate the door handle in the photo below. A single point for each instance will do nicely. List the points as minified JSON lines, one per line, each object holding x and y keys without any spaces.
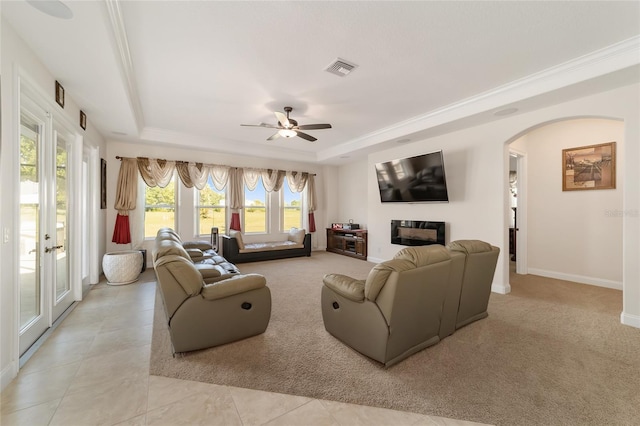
{"x":50,"y":249}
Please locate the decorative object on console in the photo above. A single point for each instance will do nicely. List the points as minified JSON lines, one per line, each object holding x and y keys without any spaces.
{"x":417,"y":232}
{"x":589,"y":167}
{"x":416,"y":179}
{"x":350,"y":225}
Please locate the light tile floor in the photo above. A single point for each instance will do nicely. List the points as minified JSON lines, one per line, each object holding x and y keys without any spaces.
{"x":94,"y":370}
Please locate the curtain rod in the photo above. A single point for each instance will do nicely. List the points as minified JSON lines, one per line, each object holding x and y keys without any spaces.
{"x":187,"y":162}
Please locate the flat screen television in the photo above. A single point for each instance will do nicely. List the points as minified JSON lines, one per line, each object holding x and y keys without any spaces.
{"x":413,"y":180}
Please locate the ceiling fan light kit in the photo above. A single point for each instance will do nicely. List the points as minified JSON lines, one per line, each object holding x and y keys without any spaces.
{"x":288,"y":127}
{"x":287,"y":133}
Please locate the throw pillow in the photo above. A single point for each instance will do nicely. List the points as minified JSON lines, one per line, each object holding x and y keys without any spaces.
{"x":238,"y":236}
{"x":296,"y":235}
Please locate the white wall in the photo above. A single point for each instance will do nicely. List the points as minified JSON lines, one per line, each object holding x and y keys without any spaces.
{"x":476,"y":162}
{"x":186,"y":213}
{"x":18,"y":58}
{"x":470,"y":163}
{"x":352,"y":184}
{"x":583,"y":225}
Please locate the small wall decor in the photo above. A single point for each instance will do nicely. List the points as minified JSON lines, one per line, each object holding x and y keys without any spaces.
{"x":589,"y":167}
{"x":83,"y":120}
{"x":103,"y":183}
{"x":59,"y":94}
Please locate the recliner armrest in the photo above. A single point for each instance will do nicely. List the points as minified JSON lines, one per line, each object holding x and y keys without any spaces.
{"x":345,"y":286}
{"x":194,"y":253}
{"x":234,"y":285}
{"x":201,"y":245}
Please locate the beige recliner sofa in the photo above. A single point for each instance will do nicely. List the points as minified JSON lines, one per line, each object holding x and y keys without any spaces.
{"x":397,"y":311}
{"x":201,"y":315}
{"x":479,"y":268}
{"x":211,"y":266}
{"x":413,"y":301}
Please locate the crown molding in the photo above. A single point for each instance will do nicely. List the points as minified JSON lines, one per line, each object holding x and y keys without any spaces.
{"x":595,"y":64}
{"x":126,"y":64}
{"x":232,"y":147}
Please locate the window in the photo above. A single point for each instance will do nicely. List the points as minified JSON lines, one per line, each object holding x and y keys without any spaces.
{"x":255,"y":209}
{"x":210,"y":210}
{"x":291,"y":203}
{"x":159,"y":208}
{"x":398,"y":168}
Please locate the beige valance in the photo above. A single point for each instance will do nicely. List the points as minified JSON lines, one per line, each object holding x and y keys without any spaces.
{"x":157,"y":172}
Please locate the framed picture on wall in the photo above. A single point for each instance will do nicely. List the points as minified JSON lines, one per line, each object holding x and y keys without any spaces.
{"x":103,"y":183}
{"x":83,"y":120}
{"x":60,"y":94}
{"x":589,"y":167}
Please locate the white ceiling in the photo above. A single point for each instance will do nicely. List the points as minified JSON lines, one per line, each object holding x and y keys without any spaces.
{"x":190,"y":72}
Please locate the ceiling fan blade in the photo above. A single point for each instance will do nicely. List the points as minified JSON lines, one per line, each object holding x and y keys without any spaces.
{"x":306,"y":136}
{"x":314,"y":126}
{"x":282,"y":118}
{"x":276,"y":135}
{"x":268,"y":126}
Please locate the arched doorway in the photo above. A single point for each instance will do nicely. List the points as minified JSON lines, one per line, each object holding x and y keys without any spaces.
{"x":570,"y":235}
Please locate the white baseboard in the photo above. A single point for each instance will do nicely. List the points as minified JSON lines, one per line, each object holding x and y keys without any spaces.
{"x":375,"y":259}
{"x":8,"y":374}
{"x":501,"y":288}
{"x":628,"y":319}
{"x":617,"y":285}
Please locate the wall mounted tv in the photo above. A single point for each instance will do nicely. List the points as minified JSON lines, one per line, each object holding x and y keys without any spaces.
{"x":413,"y":180}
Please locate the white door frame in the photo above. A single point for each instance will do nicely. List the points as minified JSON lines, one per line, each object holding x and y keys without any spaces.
{"x":521,"y":212}
{"x":26,"y":86}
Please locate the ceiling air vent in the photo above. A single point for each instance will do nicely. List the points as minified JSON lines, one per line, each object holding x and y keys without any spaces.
{"x":340,"y":67}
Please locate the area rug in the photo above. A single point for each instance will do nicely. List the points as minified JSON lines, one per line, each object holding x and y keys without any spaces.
{"x":551,"y":352}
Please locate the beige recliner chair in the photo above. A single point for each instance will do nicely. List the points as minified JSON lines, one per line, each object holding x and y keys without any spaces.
{"x":479,"y":267}
{"x":203,"y":315}
{"x":397,"y":311}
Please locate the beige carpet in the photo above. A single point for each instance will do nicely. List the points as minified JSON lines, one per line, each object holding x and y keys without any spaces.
{"x":551,"y":352}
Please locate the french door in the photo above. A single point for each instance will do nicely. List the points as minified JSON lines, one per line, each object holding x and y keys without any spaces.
{"x":44,"y":264}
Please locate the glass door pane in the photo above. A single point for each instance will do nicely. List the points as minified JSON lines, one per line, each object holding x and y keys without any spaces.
{"x":29,"y":255}
{"x":62,"y":280}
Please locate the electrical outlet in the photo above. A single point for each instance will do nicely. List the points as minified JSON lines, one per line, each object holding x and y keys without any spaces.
{"x":5,"y":237}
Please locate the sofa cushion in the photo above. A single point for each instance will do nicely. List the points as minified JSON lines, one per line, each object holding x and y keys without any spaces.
{"x":296,"y":235}
{"x":194,"y":253}
{"x":169,"y":247}
{"x":238,"y":236}
{"x":380,"y":273}
{"x":469,"y":246}
{"x":234,"y":285}
{"x":184,"y":273}
{"x":424,"y":255}
{"x":274,"y":245}
{"x":209,"y":272}
{"x":200,"y":245}
{"x":168,"y":233}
